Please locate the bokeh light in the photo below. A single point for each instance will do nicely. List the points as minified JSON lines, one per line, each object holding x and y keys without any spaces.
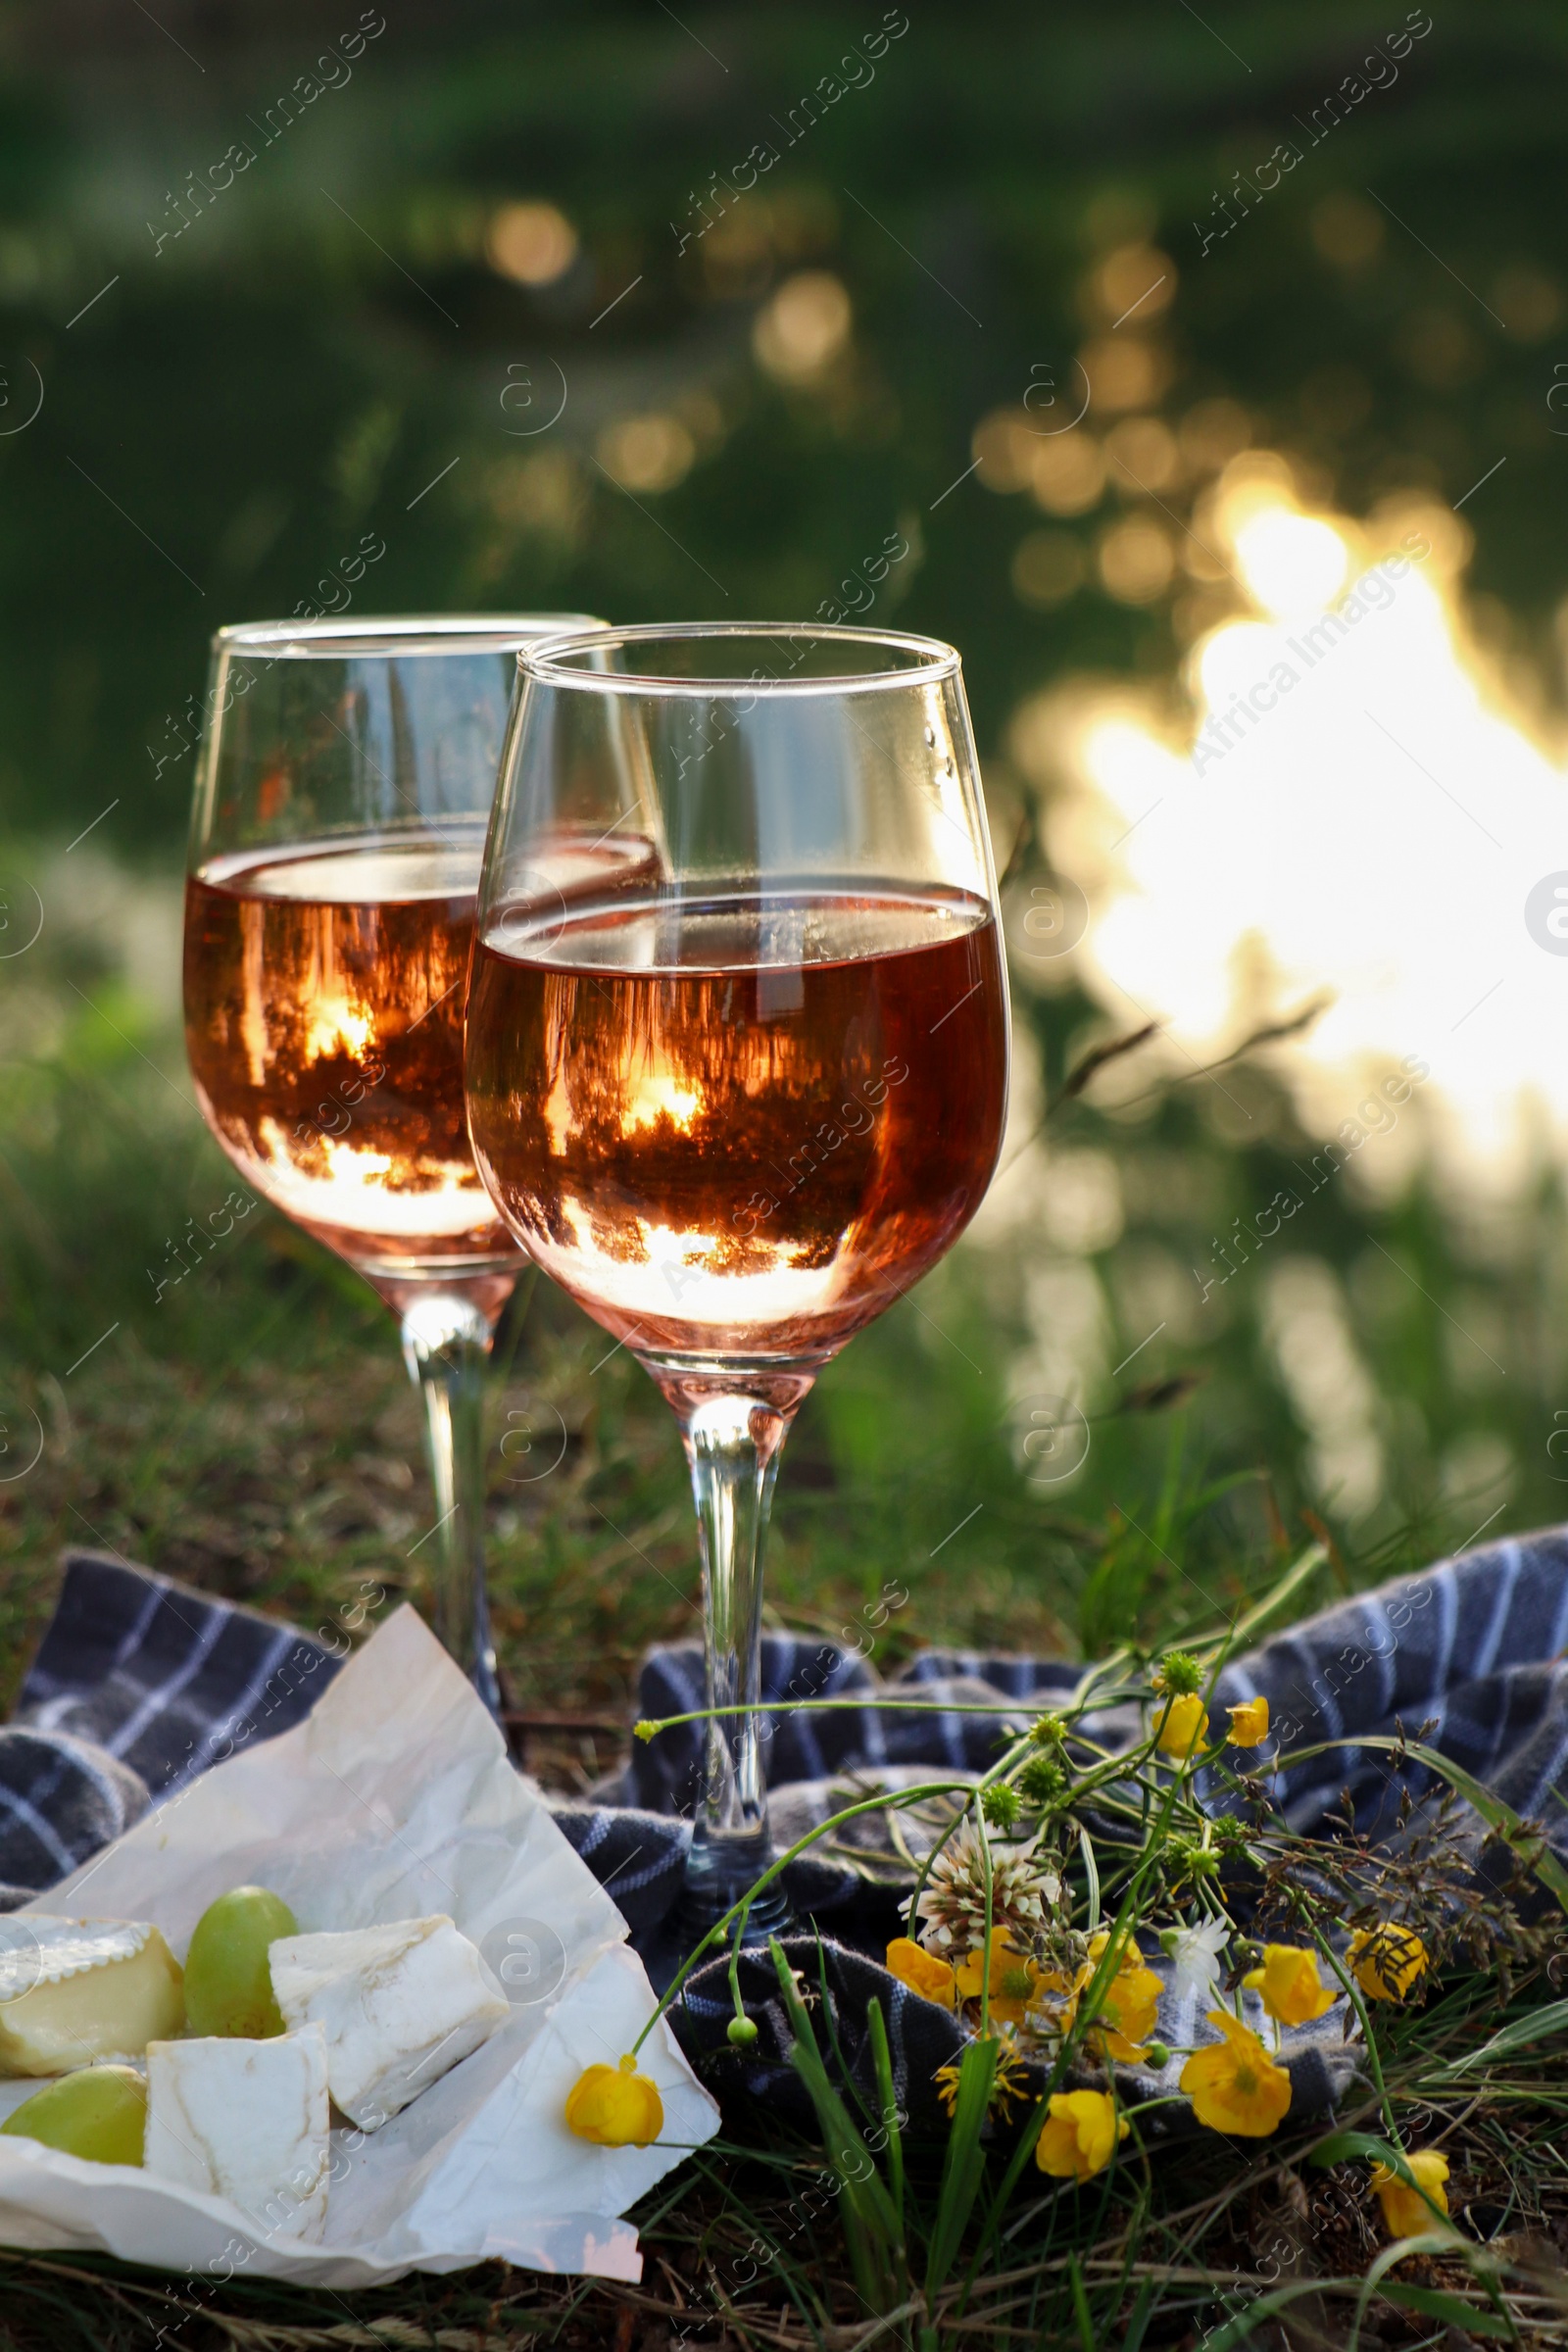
{"x":533,"y":244}
{"x":647,"y":453}
{"x":803,"y":328}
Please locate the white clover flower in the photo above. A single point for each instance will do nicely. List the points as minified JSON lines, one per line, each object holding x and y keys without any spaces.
{"x":1194,"y":1954}
{"x":952,"y":1905}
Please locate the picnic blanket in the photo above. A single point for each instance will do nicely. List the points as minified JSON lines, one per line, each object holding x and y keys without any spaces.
{"x":141,"y":1683}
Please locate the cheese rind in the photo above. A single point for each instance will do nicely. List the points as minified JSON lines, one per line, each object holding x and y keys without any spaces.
{"x":91,"y":1990}
{"x":247,"y":2121}
{"x":400,"y":2004}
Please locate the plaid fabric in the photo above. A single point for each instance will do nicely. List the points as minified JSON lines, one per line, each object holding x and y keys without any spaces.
{"x":141,"y":1683}
{"x":138,"y":1685}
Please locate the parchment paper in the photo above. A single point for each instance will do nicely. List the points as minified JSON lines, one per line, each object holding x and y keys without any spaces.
{"x":393,"y":1799}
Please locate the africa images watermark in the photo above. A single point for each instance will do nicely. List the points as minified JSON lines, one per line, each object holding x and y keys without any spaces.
{"x":240,"y":677}
{"x":1377,"y":1115}
{"x":855,"y":73}
{"x":335,"y":74}
{"x":200,"y":1241}
{"x":822,"y":1142}
{"x":1373,"y":592}
{"x":894,"y":550}
{"x":1380,"y":72}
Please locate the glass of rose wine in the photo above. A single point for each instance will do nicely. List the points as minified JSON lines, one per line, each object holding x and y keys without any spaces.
{"x":343,"y":789}
{"x":737,"y":1052}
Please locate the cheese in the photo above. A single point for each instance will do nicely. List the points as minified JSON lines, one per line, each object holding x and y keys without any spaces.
{"x":400,"y":2004}
{"x":77,"y":1992}
{"x":247,"y":2121}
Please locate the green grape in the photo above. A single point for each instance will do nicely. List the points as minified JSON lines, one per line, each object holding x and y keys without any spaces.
{"x":100,"y":2112}
{"x":228,"y":1989}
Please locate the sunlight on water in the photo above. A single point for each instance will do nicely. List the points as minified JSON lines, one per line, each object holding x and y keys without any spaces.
{"x":1357,"y":801}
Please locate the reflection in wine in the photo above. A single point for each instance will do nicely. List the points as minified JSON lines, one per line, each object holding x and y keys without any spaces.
{"x":739,"y":1122}
{"x":324,"y":993}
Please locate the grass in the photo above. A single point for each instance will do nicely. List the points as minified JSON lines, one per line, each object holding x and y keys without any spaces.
{"x":743,"y":2248}
{"x":253,"y":1431}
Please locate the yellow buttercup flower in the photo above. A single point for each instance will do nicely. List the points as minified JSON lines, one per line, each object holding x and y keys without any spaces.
{"x":1012,"y":1976}
{"x":1235,"y":2085}
{"x":1403,"y":2213}
{"x":1184,"y":1725}
{"x":1386,"y":1960}
{"x":1129,"y":2004}
{"x":1008,"y":2084}
{"x":922,"y":1972}
{"x":1080,"y":2135}
{"x":1054,"y":2009}
{"x":1248,"y":1722}
{"x":1289,"y":1984}
{"x":615,"y":2106}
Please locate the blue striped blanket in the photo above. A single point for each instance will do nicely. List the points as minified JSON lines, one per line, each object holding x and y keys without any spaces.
{"x":139,"y":1680}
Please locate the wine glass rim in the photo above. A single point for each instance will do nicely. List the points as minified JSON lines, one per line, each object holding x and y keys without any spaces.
{"x":403,"y":633}
{"x":552,"y":661}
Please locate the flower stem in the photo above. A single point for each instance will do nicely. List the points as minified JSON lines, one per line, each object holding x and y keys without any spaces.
{"x":1368,"y":2037}
{"x":720,"y":1926}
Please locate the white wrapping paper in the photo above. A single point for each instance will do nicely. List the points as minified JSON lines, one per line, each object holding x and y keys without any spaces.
{"x":393,"y":1799}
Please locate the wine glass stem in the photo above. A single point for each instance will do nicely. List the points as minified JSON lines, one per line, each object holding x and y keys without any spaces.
{"x":733,"y":1445}
{"x":446,"y":1345}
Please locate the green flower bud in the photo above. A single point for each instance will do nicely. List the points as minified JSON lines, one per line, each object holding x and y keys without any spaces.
{"x":999,"y":1804}
{"x":1180,"y":1674}
{"x":1042,"y":1781}
{"x":742,"y":2033}
{"x":1157,"y":2055}
{"x":1186,"y":1858}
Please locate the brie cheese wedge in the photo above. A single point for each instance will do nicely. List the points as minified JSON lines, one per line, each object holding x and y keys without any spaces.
{"x":400,"y":2005}
{"x":77,"y":1992}
{"x":247,"y":2121}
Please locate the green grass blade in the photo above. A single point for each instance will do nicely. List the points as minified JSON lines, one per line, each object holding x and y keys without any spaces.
{"x":1539,"y":2026}
{"x":1138,"y":2323}
{"x":872,"y":2228}
{"x":1085,"y":1847}
{"x":1080,"y":2306}
{"x":1243,"y":2332}
{"x":882,"y":2059}
{"x":1342,"y":2147}
{"x":965,"y":2166}
{"x":1433,"y":2304}
{"x":1271,"y":1603}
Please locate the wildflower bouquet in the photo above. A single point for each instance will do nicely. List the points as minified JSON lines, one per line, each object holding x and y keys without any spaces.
{"x":1109,"y":1936}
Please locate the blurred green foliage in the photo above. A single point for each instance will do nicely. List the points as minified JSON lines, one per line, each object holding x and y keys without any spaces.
{"x":329,"y":347}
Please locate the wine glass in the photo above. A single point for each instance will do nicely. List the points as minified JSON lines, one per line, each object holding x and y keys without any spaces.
{"x":736,"y":1053}
{"x":343,"y":789}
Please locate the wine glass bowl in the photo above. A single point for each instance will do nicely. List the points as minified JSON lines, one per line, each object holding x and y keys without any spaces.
{"x":342,"y":798}
{"x":736,"y":1126}
{"x":737,"y":1045}
{"x":324,"y":1009}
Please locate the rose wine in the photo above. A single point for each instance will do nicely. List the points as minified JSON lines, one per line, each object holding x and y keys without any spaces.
{"x":739,"y":1125}
{"x":324,"y":993}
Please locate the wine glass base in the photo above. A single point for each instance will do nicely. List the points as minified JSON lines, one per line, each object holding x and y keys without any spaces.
{"x":721,"y":1873}
{"x":699,"y":1907}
